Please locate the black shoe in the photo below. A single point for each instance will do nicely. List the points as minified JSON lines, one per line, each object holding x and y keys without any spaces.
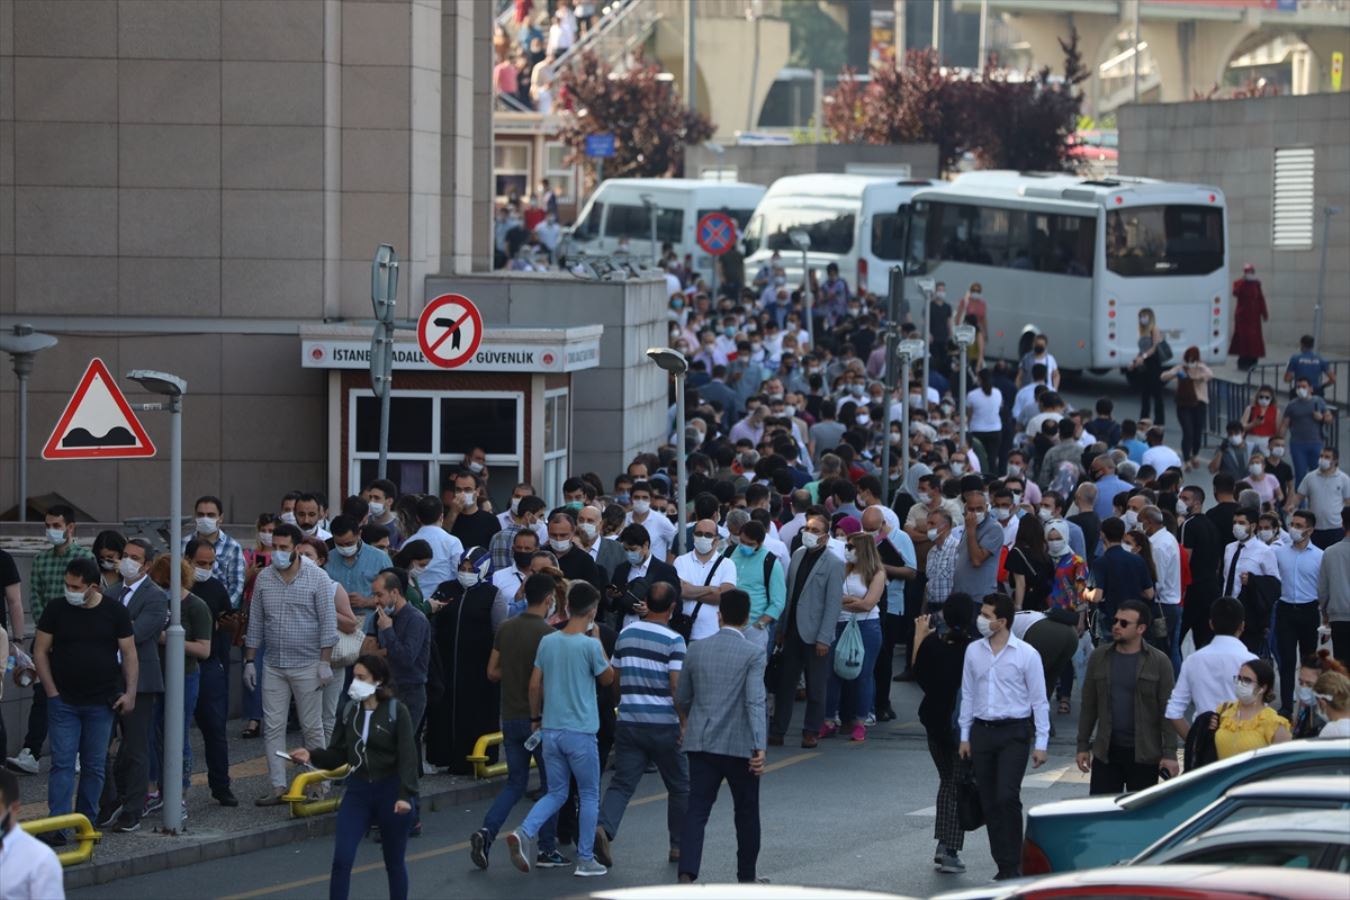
{"x":886,"y":715}
{"x":127,"y":822}
{"x":1007,"y":875}
{"x":225,"y":797}
{"x":108,"y":816}
{"x":479,"y":844}
{"x":904,"y":676}
{"x":54,"y":838}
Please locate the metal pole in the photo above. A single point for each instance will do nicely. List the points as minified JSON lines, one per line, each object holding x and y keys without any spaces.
{"x":23,"y":364}
{"x":1135,"y":36}
{"x":679,"y":465}
{"x":1327,"y":213}
{"x":904,"y":430}
{"x":927,"y":345}
{"x":651,"y":225}
{"x":984,"y":35}
{"x":387,"y":375}
{"x":806,"y":300}
{"x":690,"y":63}
{"x":937,"y":29}
{"x":962,"y":389}
{"x":171,"y":779}
{"x":899,"y":33}
{"x":897,"y":286}
{"x":818,"y":105}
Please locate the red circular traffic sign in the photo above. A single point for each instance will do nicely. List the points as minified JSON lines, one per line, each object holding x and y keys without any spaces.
{"x":716,"y":233}
{"x":449,"y":331}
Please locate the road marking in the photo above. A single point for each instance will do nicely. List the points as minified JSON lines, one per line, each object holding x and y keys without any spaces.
{"x":464,"y":845}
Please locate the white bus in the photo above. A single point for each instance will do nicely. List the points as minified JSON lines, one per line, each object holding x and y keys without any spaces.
{"x":1077,"y":260}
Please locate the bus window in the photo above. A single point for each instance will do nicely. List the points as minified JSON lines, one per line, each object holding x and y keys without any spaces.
{"x":751,"y":238}
{"x":1030,"y":240}
{"x":588,"y":229}
{"x":888,"y":234}
{"x":1164,"y":240}
{"x":669,"y":225}
{"x":830,"y":231}
{"x":628,"y":221}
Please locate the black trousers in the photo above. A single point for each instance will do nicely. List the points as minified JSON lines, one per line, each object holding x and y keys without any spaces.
{"x":1192,"y":428}
{"x":37,"y":721}
{"x":1056,"y":643}
{"x":1120,"y":773}
{"x":892,"y":629}
{"x":999,"y":753}
{"x":799,"y":656}
{"x":1200,"y":596}
{"x":1295,"y":637}
{"x":1340,"y":641}
{"x":130,"y":781}
{"x":707,"y":771}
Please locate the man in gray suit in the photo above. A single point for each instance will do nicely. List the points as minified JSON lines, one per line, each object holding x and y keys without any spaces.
{"x":124,"y":793}
{"x":721,"y":695}
{"x":815,"y":596}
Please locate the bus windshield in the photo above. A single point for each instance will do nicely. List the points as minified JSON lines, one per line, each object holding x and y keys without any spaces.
{"x":888,"y":234}
{"x":1164,"y":240}
{"x":831,"y":230}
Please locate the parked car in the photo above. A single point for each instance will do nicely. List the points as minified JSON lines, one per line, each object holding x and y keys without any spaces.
{"x":1301,"y":822}
{"x":1187,"y":883}
{"x":1100,"y":831}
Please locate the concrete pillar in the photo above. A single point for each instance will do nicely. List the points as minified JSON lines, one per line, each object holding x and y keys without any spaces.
{"x":1323,"y":42}
{"x":1096,"y":37}
{"x":1213,"y":47}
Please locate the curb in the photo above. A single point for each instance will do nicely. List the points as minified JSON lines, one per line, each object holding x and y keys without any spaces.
{"x":285,"y":832}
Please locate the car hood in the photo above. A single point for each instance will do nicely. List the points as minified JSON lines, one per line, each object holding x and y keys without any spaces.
{"x":1077,"y":807}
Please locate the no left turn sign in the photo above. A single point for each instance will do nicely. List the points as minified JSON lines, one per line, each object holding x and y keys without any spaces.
{"x":449,"y":331}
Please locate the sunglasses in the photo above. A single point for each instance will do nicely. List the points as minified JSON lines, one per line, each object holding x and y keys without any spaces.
{"x":1123,"y":623}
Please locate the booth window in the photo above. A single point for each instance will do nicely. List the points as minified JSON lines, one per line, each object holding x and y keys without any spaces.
{"x":557,"y":433}
{"x":429,"y":433}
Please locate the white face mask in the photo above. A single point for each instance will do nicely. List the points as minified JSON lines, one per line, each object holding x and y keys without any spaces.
{"x":287,"y":517}
{"x":475,"y":467}
{"x":282,"y":559}
{"x":1181,"y":508}
{"x":416,"y":571}
{"x":1014,"y":469}
{"x":588,"y":529}
{"x":200,"y":575}
{"x":984,"y":626}
{"x":850,"y":556}
{"x":1277,"y":452}
{"x":1297,"y":533}
{"x":348,"y":551}
{"x":1057,"y":548}
{"x":560,"y":546}
{"x":207,"y":525}
{"x":1241,"y":532}
{"x":1131,"y":519}
{"x":642,"y":507}
{"x":1045,"y":514}
{"x":1266,"y":535}
{"x":1235,"y":440}
{"x":1002,"y":513}
{"x":1256,"y":470}
{"x":933,"y":534}
{"x":810,"y":540}
{"x":1246,"y":693}
{"x":377,"y":509}
{"x":75,"y":598}
{"x":703,"y":545}
{"x":128,"y":568}
{"x":1306,"y":695}
{"x":107,"y":565}
{"x":467,"y":579}
{"x":360,"y":691}
{"x":1304,"y":393}
{"x":265,"y":538}
{"x":56,"y":536}
{"x":515,"y":505}
{"x":467,"y":499}
{"x":924,"y":498}
{"x":1325,"y":464}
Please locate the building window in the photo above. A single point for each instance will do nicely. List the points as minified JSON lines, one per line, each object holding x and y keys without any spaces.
{"x":561,"y":177}
{"x":429,"y":433}
{"x":511,"y":169}
{"x":557,"y":438}
{"x":1291,"y":203}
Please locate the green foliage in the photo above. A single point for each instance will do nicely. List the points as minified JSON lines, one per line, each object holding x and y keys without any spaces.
{"x":817,"y":41}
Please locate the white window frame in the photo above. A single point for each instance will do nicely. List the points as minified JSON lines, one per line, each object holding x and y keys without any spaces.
{"x":1293,"y":198}
{"x":555,"y":461}
{"x":552,"y":174}
{"x":528,"y":171}
{"x":437,"y":456}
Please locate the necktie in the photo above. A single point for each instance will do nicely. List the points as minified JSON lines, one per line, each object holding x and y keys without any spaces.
{"x":1232,"y":573}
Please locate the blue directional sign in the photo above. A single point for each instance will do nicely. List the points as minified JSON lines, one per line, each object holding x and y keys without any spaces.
{"x":600,"y":146}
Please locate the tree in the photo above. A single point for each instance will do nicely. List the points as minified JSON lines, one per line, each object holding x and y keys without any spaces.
{"x":817,"y":41}
{"x":650,"y":123}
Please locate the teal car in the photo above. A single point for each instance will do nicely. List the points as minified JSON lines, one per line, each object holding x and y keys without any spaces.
{"x":1102,"y":831}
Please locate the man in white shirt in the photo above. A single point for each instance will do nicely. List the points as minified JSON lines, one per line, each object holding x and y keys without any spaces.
{"x":1024,"y":402}
{"x":1167,"y":589}
{"x":1246,"y":555}
{"x":659,"y":528}
{"x":1207,"y":675}
{"x":446,"y":549}
{"x":1296,"y":615}
{"x":29,"y":869}
{"x":1002,"y":691}
{"x":1158,"y":455}
{"x":705,"y":574}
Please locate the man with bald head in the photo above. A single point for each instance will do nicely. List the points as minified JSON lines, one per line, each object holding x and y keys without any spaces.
{"x":705,"y":573}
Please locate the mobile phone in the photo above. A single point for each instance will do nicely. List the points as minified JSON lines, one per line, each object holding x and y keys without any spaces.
{"x":1163,"y":774}
{"x":284,"y":755}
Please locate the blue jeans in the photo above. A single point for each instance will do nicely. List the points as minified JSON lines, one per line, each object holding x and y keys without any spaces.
{"x":1172,"y":613}
{"x":850,"y":700}
{"x":1303,"y":455}
{"x":212,"y":711}
{"x":191,"y":683}
{"x":568,"y":755}
{"x":253,"y":700}
{"x":71,"y":730}
{"x":514,"y":734}
{"x":367,"y":803}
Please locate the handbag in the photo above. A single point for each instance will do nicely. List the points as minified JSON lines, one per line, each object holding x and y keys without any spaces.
{"x":969,"y":811}
{"x":1164,"y":353}
{"x":848,"y":651}
{"x":347,"y":649}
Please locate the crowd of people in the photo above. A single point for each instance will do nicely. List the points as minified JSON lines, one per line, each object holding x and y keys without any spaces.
{"x":1037,"y":548}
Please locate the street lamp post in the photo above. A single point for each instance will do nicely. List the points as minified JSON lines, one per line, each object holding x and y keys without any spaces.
{"x":384,"y":299}
{"x":965,"y":336}
{"x":23,"y":344}
{"x":673,"y":361}
{"x":649,"y":202}
{"x":927,"y":286}
{"x":802,"y":241}
{"x":171,"y":777}
{"x":893,"y":302}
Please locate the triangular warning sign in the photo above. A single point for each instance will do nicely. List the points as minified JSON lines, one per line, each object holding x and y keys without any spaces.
{"x":98,"y":422}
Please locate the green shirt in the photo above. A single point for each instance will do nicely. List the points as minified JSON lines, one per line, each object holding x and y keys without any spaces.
{"x":47,"y":581}
{"x":414,"y":596}
{"x":197,"y":626}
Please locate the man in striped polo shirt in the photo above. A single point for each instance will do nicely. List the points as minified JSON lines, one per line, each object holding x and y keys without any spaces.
{"x":647,"y":660}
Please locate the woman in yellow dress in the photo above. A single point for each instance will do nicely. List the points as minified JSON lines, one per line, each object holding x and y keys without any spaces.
{"x":1248,"y":723}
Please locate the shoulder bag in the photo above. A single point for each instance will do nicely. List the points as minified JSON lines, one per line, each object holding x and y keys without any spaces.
{"x":848,"y":651}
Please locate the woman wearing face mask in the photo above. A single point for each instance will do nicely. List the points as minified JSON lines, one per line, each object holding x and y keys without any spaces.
{"x":1192,"y":377}
{"x":108,"y":547}
{"x":316,"y":551}
{"x":1332,"y":692}
{"x":1248,"y":344}
{"x":985,"y":405}
{"x":1145,"y":370}
{"x":1309,"y":714}
{"x":1065,"y":603}
{"x":545,"y":563}
{"x":1029,"y":566}
{"x":256,"y":559}
{"x":1248,"y":723}
{"x":1262,"y":481}
{"x":847,"y":703}
{"x":462,"y":633}
{"x":374,"y":738}
{"x":1261,"y":420}
{"x":414,"y":557}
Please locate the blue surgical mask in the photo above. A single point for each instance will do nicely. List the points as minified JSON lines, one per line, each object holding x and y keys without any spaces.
{"x":747,"y":551}
{"x":634,"y":557}
{"x":622,"y":499}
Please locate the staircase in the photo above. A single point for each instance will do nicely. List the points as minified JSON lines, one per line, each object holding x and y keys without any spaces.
{"x":615,"y":38}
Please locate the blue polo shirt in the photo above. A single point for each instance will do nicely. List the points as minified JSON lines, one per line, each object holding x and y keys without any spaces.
{"x":356,"y":574}
{"x":1121,"y":575}
{"x":1309,"y":365}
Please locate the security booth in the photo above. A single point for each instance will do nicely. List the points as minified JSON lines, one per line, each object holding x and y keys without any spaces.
{"x":513,"y":398}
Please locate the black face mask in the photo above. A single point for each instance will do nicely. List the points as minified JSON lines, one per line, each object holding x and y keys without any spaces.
{"x":522,"y":560}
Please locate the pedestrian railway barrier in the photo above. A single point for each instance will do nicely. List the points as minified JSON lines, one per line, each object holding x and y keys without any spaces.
{"x":479,"y":757}
{"x":299,"y":800}
{"x":85,"y":835}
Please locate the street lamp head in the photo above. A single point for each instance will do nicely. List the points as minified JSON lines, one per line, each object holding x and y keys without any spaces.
{"x":647,"y":200}
{"x":159,"y":382}
{"x":672,"y":361}
{"x":800,"y":239}
{"x":23,"y":339}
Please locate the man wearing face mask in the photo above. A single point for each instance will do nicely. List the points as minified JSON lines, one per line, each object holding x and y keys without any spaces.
{"x":658,"y":526}
{"x":510,"y":582}
{"x":293,"y":613}
{"x":80,"y":637}
{"x":977,"y":558}
{"x":1243,"y":559}
{"x":1327,"y":492}
{"x":213,"y":693}
{"x":1301,"y":424}
{"x":705,"y":575}
{"x":28,"y":868}
{"x":354,"y":563}
{"x":307,"y":516}
{"x":46,"y":583}
{"x":639,"y":562}
{"x":464,"y":518}
{"x":607,"y":555}
{"x":124,"y":795}
{"x":528,"y":516}
{"x":404,"y":634}
{"x":574,"y":562}
{"x":1199,"y":536}
{"x":380,"y":495}
{"x":230,"y":565}
{"x":1296,"y":614}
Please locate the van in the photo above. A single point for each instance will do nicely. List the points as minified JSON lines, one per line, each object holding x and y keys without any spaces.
{"x":616,"y":211}
{"x":853,"y":221}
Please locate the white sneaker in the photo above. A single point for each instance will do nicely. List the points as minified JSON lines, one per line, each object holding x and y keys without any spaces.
{"x":429,"y":769}
{"x":25,"y":762}
{"x":589,"y":868}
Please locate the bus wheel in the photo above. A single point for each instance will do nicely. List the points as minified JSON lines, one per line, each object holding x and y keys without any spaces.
{"x":1099,"y":371}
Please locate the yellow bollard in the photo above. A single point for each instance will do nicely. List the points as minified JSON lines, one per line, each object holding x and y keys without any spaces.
{"x":301,"y":805}
{"x":84,"y":834}
{"x":479,"y":757}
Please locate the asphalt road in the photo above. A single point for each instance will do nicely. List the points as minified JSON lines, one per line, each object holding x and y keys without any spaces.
{"x":845,"y":815}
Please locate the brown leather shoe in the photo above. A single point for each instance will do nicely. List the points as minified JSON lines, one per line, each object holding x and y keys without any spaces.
{"x":674,"y":855}
{"x":775,"y":740}
{"x":809,"y":741}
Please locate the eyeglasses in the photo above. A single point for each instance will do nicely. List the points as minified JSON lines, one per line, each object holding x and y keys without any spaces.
{"x":704,"y":534}
{"x":1242,"y":679}
{"x":1123,"y":623}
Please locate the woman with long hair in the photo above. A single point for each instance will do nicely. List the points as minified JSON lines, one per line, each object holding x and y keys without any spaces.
{"x":1029,"y":566}
{"x":864,"y":586}
{"x":1261,"y":419}
{"x":1065,"y":602}
{"x":375,"y":739}
{"x":984,"y":407}
{"x":1248,"y":723}
{"x":413,"y":558}
{"x":1145,"y":370}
